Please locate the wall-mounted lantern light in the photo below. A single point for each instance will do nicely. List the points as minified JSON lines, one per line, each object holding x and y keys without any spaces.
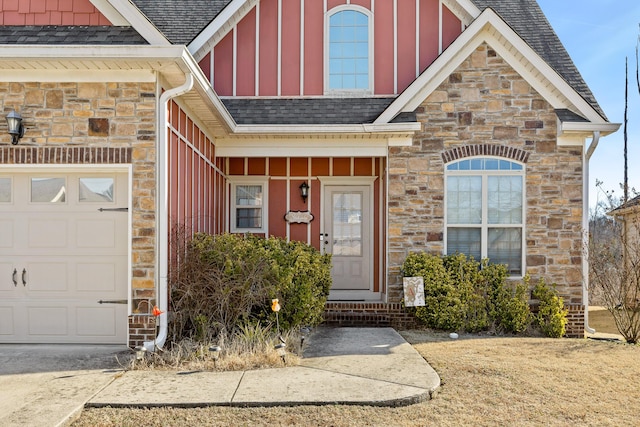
{"x":14,"y":124}
{"x":304,"y":191}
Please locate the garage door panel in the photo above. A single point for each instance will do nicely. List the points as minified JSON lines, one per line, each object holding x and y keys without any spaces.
{"x":48,"y":321}
{"x":6,"y":233}
{"x":74,"y":255}
{"x":7,"y":288}
{"x":96,"y":277}
{"x":47,"y":233}
{"x":6,"y":321}
{"x":47,"y":277}
{"x":96,"y":233}
{"x":93,"y":321}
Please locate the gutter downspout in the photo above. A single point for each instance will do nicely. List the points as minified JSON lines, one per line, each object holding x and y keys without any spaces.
{"x":162,"y":209}
{"x":585,"y":228}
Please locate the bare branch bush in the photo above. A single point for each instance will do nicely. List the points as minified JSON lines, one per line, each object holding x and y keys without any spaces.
{"x":614,"y":265}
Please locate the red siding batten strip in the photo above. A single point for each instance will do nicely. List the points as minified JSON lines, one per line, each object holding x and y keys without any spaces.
{"x":406,"y":43}
{"x":268,"y":48}
{"x":246,"y":56}
{"x":290,"y":74}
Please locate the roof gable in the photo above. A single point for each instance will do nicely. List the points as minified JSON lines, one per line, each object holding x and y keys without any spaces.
{"x":181,"y":21}
{"x":490,"y":28}
{"x":527,"y":19}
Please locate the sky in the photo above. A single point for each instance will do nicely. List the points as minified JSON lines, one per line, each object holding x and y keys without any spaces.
{"x":599,"y":34}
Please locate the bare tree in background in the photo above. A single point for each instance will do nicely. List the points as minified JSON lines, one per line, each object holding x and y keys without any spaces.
{"x":614,"y":263}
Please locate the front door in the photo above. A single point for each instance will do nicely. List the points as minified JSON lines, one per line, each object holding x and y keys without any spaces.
{"x":347,"y":236}
{"x":63,"y":248}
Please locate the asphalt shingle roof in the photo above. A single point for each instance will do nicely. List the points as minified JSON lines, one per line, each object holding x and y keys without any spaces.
{"x":309,"y":111}
{"x":527,"y":19}
{"x":181,"y":21}
{"x":569,"y":116}
{"x":70,"y":35}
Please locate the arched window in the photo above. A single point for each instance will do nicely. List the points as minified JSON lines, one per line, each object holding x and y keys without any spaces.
{"x":484,"y":213}
{"x":349,"y":50}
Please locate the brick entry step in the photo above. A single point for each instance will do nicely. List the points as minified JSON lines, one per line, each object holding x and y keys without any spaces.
{"x":377,"y":314}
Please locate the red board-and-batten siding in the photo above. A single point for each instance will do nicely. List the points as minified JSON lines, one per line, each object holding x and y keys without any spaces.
{"x":285,"y":176}
{"x":50,"y":12}
{"x":197,"y":185}
{"x":277,"y":49}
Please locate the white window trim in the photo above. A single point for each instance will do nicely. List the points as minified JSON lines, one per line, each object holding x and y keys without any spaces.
{"x":347,"y":92}
{"x":484,"y":225}
{"x":250,"y":180}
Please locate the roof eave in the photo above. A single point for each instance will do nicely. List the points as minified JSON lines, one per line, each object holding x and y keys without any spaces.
{"x":586,"y":129}
{"x":408,"y":128}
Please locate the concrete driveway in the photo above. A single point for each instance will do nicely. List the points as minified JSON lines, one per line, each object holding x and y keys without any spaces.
{"x":48,"y":385}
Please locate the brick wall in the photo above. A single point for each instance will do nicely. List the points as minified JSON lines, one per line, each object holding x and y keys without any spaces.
{"x":93,"y":123}
{"x":484,"y":106}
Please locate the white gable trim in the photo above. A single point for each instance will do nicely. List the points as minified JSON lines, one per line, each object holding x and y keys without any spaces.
{"x":138,"y":21}
{"x":490,"y":28}
{"x":465,"y":10}
{"x":110,"y":13}
{"x":226,"y":20}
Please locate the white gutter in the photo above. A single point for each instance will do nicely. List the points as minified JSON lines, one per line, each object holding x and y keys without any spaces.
{"x":162,"y":218}
{"x":366,"y":128}
{"x":585,"y":228}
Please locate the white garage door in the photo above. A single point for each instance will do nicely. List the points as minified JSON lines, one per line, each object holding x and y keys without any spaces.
{"x":63,"y":248}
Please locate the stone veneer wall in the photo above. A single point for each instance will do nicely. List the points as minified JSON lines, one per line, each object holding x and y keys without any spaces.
{"x":485,"y":106}
{"x":96,"y":123}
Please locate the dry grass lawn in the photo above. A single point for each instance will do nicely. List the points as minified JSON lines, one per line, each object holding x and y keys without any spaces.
{"x":486,"y":381}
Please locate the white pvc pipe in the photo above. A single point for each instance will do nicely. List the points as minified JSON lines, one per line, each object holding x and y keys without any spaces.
{"x":585,"y":229}
{"x":162,"y":212}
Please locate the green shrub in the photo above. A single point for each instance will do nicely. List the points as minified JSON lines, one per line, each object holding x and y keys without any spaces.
{"x":443,"y":307}
{"x":552,"y":316}
{"x":303,"y":285}
{"x":225,"y":282}
{"x":508,"y":308}
{"x":462,"y":294}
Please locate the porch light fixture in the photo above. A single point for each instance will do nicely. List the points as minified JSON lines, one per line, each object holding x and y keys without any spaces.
{"x":15,"y":127}
{"x":304,"y":191}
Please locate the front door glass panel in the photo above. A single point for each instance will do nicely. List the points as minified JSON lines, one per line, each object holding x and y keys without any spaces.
{"x":347,"y":224}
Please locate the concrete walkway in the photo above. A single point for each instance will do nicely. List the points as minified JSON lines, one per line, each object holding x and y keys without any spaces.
{"x":357,"y":366}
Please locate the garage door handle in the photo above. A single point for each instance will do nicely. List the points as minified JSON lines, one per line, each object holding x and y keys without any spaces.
{"x":24,"y":277}
{"x":15,"y":277}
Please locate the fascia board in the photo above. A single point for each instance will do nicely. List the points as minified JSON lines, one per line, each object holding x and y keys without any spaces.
{"x":205,"y":87}
{"x":95,"y":52}
{"x":139,"y":22}
{"x":224,"y":19}
{"x":394,"y":128}
{"x":111,"y":13}
{"x":605,"y":128}
{"x":465,"y":10}
{"x":477,"y":33}
{"x":469,"y":7}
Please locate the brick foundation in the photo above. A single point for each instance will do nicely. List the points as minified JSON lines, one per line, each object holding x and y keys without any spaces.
{"x":575,"y":321}
{"x":368,"y":314}
{"x":141,"y":328}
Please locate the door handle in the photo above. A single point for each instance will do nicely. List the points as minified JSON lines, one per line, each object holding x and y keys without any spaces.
{"x":24,"y":277}
{"x":14,"y":277}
